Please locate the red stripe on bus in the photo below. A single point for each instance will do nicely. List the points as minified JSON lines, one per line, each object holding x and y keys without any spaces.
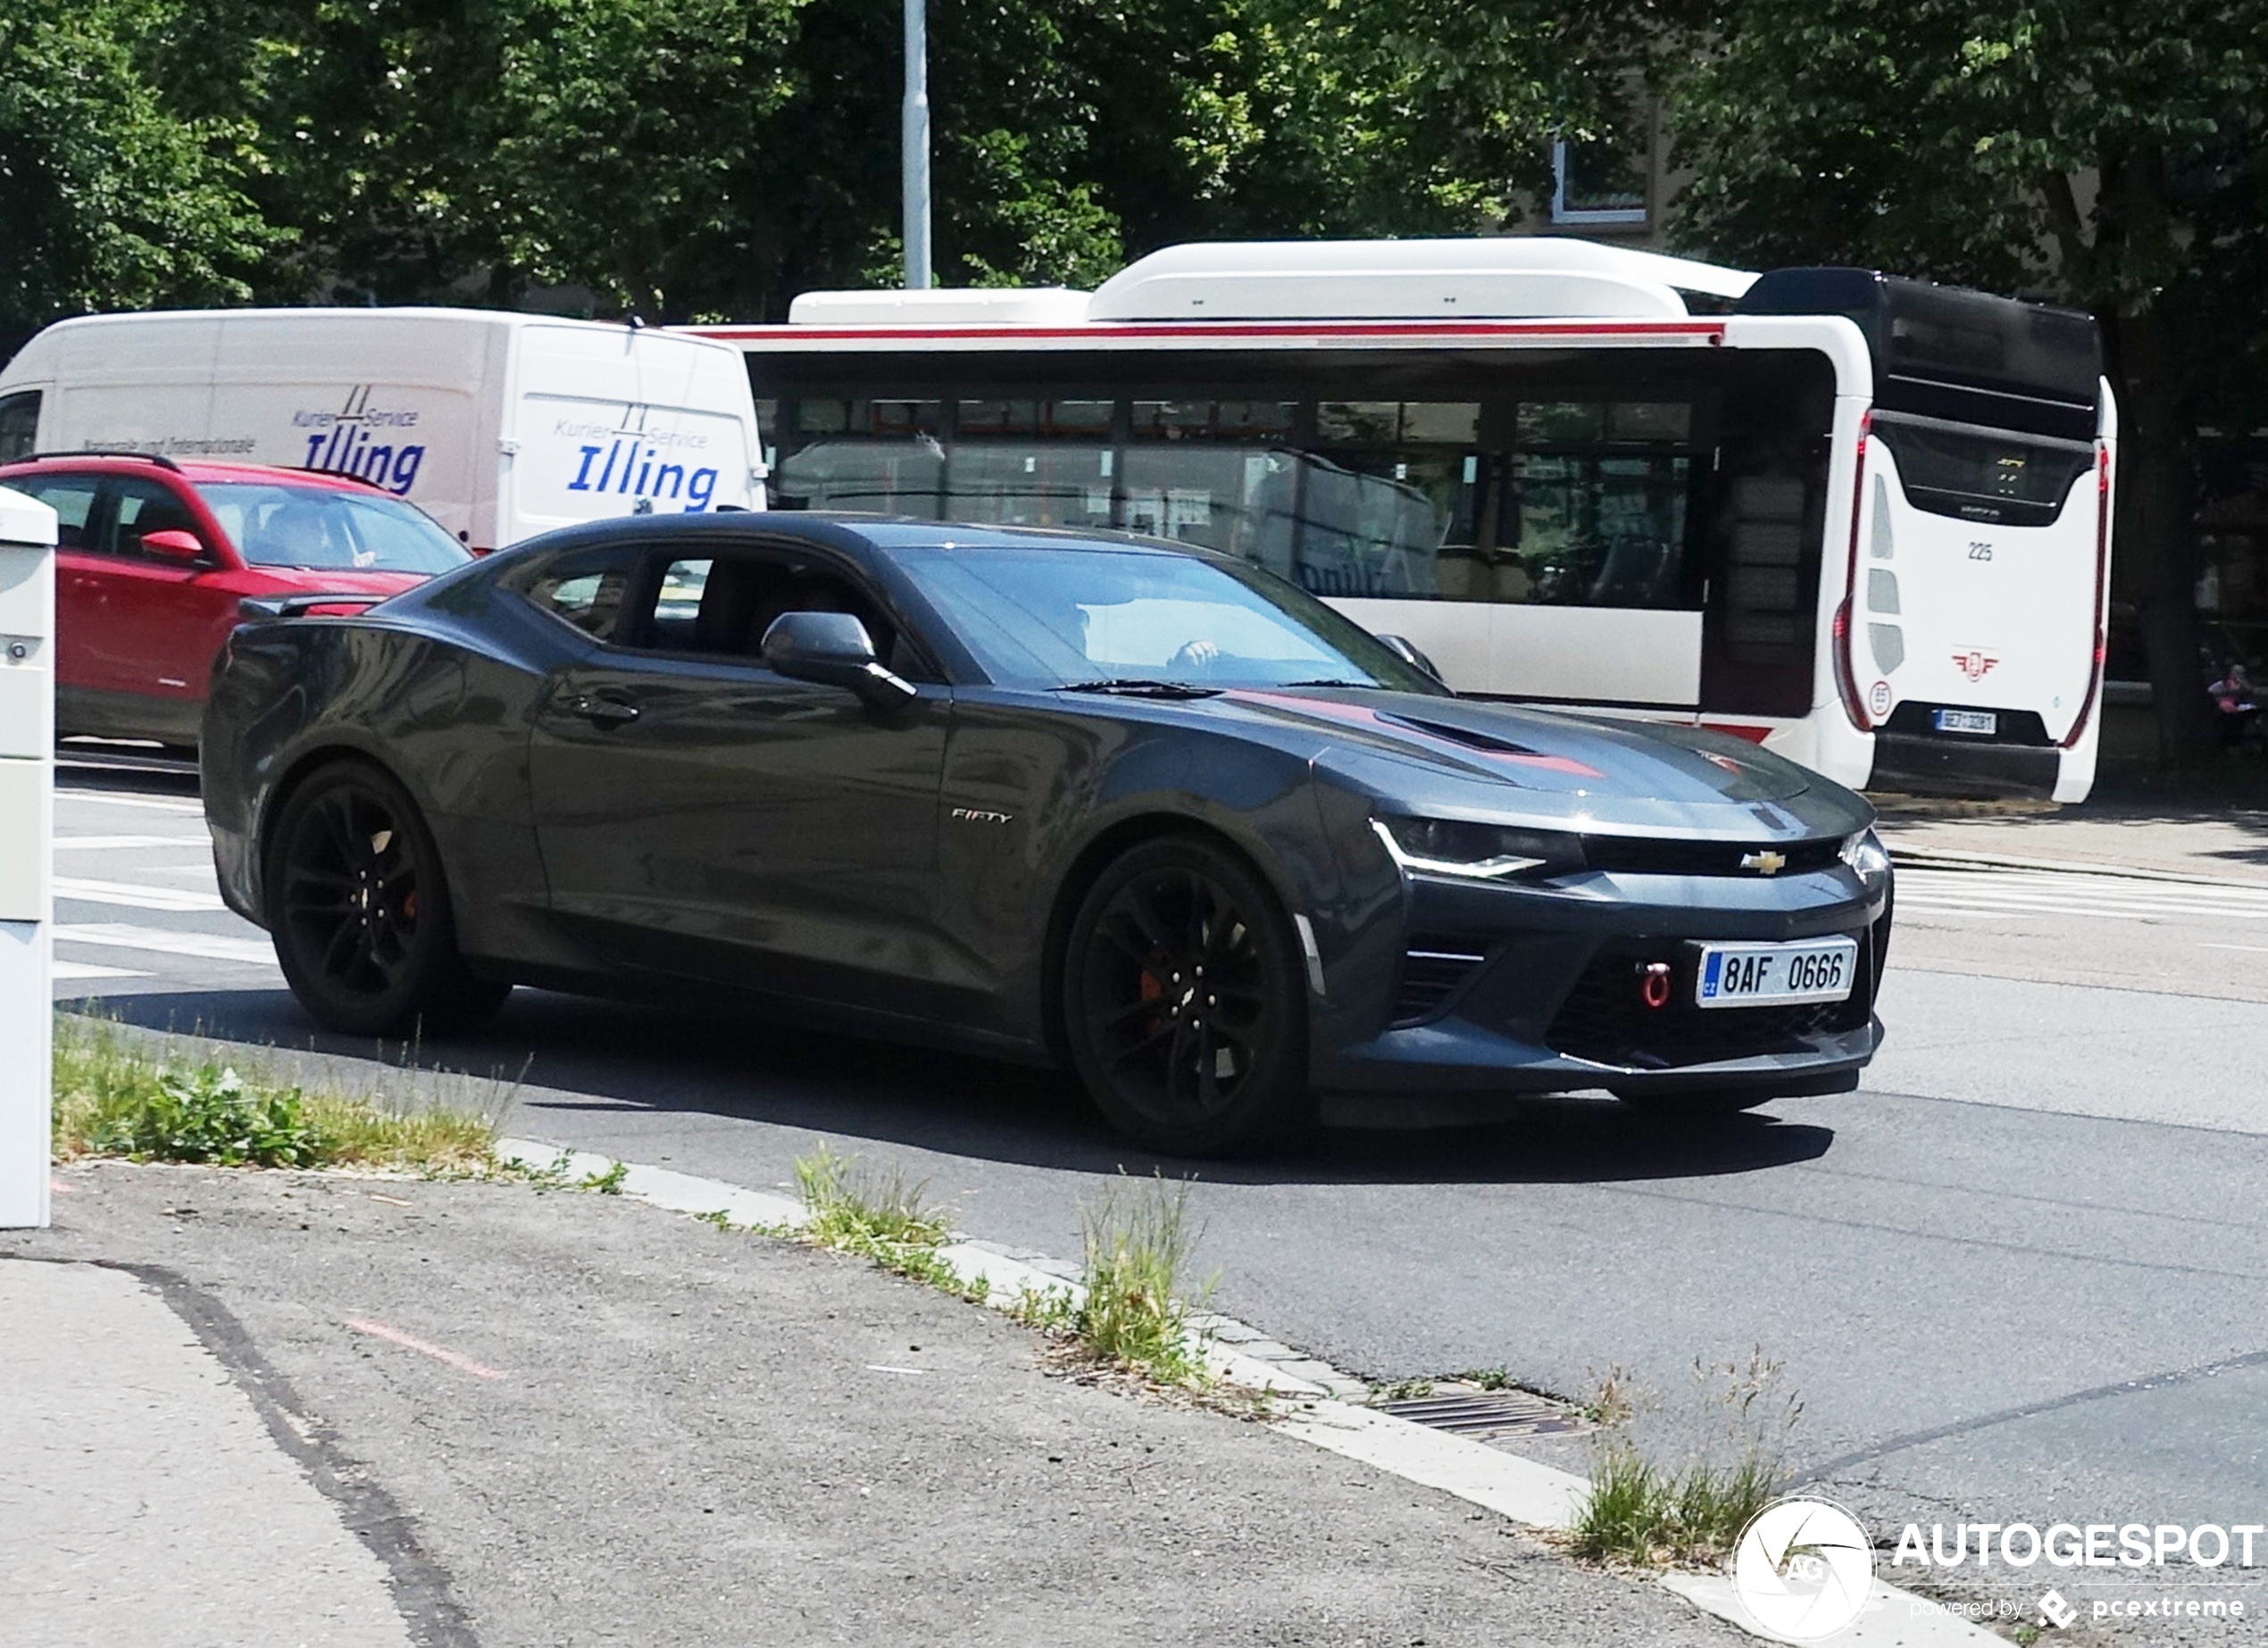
{"x":1714,"y":329}
{"x":1753,"y":735}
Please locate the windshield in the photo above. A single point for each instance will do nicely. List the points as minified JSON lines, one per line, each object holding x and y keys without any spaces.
{"x":1079,"y":614}
{"x":275,"y":524}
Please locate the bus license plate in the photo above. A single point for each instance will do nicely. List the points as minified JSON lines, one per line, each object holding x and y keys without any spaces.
{"x":1982,"y":721}
{"x":1756,"y":975}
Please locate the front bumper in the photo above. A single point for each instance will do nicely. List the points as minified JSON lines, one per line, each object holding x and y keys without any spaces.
{"x":1504,"y":990}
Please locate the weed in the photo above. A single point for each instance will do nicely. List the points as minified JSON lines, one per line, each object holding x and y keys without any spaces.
{"x":1491,"y":1379}
{"x":1135,"y":1310}
{"x":608,"y":1183}
{"x":878,"y":1216}
{"x":121,"y":1096}
{"x":1640,"y":1511}
{"x":1047,"y":1308}
{"x":1405,"y":1390}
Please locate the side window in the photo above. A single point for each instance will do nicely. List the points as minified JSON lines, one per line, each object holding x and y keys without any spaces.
{"x":141,"y":507}
{"x":19,"y":424}
{"x":724,"y":604}
{"x":71,"y":497}
{"x":589,"y":598}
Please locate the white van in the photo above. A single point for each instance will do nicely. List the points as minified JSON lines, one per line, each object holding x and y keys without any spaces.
{"x":498,"y":426}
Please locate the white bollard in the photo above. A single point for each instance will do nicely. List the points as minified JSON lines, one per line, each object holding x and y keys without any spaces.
{"x":27,"y":831}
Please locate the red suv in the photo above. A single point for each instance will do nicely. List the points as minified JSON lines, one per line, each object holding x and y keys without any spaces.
{"x":153,"y":557}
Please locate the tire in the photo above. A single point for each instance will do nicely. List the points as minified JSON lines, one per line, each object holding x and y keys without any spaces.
{"x":1188,"y":1062}
{"x":359,"y":912}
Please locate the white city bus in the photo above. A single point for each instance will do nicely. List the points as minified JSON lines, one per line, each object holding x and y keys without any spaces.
{"x":1860,"y":519}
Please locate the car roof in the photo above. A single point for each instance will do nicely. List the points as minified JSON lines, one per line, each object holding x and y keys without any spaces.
{"x":194,"y":471}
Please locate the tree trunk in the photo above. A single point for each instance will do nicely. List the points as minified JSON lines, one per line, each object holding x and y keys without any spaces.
{"x":2156,"y":527}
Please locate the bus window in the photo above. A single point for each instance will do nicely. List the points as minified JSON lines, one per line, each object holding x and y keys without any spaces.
{"x":1387,"y":499}
{"x":1598,"y":515}
{"x":862,"y":454}
{"x":1030,"y":462}
{"x":1216,"y":472}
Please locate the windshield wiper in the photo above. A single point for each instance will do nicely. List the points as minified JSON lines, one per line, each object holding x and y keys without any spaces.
{"x":1335,"y":682}
{"x":1136,"y":686}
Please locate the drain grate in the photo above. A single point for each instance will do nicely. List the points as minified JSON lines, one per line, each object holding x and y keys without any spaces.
{"x":1486,"y":1415}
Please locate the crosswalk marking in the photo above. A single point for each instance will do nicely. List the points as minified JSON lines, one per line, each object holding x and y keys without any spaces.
{"x":135,"y":894}
{"x":209,"y":947}
{"x":105,"y":843}
{"x":112,"y":798}
{"x":2018,"y":895}
{"x":87,"y":970}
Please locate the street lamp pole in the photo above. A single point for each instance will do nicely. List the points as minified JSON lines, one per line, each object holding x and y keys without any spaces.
{"x":914,"y":145}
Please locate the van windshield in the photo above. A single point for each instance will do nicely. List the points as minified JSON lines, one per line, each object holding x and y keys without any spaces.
{"x":275,"y":524}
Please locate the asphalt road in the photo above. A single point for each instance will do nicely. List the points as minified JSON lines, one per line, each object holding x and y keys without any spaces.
{"x":2017,"y":1276}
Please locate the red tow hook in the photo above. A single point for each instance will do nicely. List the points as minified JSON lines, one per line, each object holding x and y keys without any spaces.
{"x":1654,"y":985}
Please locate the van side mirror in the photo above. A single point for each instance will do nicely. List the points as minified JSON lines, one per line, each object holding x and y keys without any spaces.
{"x":174,"y":547}
{"x":834,"y":650}
{"x":1409,"y":654}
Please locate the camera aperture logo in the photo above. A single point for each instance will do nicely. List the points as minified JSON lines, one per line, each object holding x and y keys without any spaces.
{"x":1803,"y":1569}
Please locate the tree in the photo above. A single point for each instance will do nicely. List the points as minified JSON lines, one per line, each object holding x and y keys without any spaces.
{"x":2107,"y":153}
{"x":111,"y":198}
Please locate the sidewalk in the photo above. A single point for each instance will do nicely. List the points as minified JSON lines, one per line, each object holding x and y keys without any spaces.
{"x":2220,"y":844}
{"x":561,"y":1418}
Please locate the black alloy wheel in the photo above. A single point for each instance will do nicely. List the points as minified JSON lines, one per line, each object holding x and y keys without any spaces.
{"x":1184,"y":1005}
{"x":360,"y":914}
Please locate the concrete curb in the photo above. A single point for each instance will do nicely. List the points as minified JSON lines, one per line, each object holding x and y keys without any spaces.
{"x":1519,"y":1490}
{"x":1957,"y":858}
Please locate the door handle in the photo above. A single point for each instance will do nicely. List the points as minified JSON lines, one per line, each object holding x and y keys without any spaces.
{"x":599,"y":712}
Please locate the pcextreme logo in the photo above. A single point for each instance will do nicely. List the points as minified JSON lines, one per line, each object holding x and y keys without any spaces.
{"x":1974,"y":663}
{"x":1804,"y":1569}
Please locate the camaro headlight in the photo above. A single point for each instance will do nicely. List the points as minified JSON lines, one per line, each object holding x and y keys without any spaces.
{"x":1865,"y":853}
{"x":1469,"y":852}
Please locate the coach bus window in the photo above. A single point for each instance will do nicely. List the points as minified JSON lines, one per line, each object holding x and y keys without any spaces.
{"x":1386,"y":503}
{"x":863,"y":454}
{"x":1221,"y":473}
{"x":1597,"y":516}
{"x":1030,"y":462}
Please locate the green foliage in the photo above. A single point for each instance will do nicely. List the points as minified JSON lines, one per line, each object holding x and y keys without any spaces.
{"x":112,"y":196}
{"x":120,"y":1096}
{"x":1732,"y":1434}
{"x":1135,"y":1307}
{"x":209,"y":1114}
{"x":607,"y":1183}
{"x":878,"y":1216}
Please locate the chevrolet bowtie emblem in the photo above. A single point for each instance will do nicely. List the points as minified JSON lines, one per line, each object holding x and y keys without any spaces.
{"x":1765,"y":863}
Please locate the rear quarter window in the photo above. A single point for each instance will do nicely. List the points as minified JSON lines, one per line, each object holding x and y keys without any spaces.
{"x":591,"y":600}
{"x":71,"y":496}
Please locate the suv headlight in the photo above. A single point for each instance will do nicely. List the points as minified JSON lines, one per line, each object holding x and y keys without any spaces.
{"x":1468,"y":852}
{"x":1865,"y":853}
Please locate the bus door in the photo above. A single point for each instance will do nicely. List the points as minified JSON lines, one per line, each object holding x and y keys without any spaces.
{"x":1761,"y":538}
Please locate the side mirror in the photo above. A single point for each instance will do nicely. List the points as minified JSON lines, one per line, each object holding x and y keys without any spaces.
{"x":834,"y":650}
{"x":174,"y":547}
{"x":1409,"y":654}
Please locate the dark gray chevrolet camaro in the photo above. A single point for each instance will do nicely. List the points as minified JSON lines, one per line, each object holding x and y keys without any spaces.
{"x":1141,"y":808}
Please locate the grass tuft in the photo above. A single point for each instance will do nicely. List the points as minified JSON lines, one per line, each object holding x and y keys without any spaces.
{"x":123,"y":1096}
{"x":878,"y":1216}
{"x":1642,"y":1511}
{"x":1135,"y":1310}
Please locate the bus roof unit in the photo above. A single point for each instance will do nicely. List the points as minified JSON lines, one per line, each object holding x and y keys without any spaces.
{"x":1497,"y":278}
{"x":1506,"y":277}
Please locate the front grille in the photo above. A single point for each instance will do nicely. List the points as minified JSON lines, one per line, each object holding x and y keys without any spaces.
{"x":1605,"y":1021}
{"x":1641,"y":855}
{"x":1433,"y":967}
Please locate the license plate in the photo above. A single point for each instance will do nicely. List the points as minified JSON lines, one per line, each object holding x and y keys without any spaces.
{"x":1984,"y":721}
{"x":1821,"y":969}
